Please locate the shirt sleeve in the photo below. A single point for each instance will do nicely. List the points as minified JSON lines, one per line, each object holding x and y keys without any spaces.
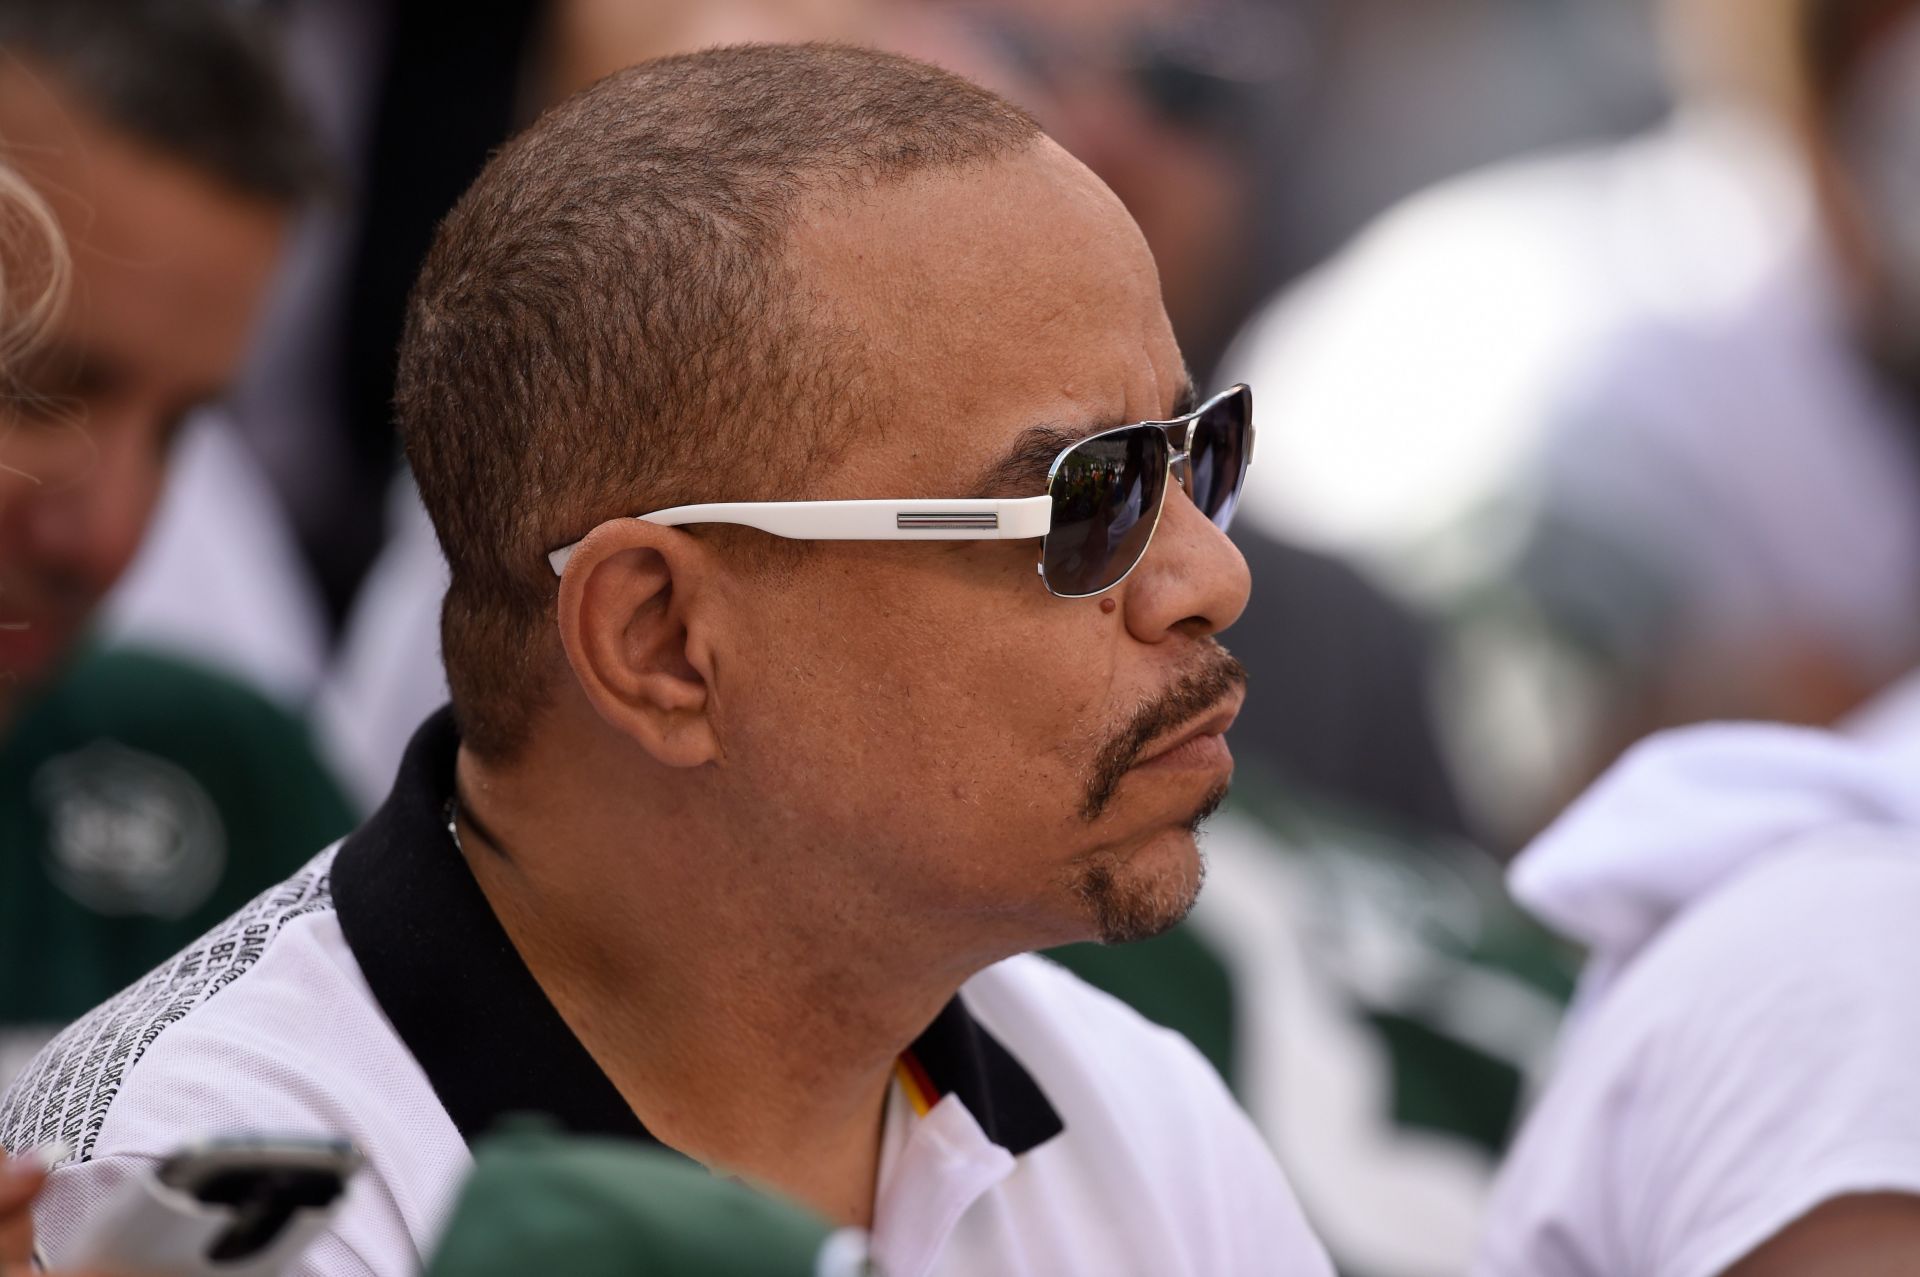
{"x":1757,"y":1061}
{"x":80,"y":1195}
{"x":76,"y":1196}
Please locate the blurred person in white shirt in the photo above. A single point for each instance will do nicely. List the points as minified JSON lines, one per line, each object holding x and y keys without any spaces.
{"x":1627,"y":419}
{"x":1735,"y":1089}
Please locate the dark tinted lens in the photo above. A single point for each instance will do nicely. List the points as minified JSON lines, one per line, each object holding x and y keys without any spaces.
{"x":1218,"y":452}
{"x":1106,"y":498}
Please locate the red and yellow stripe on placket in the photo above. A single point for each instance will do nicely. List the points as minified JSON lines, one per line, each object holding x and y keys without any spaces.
{"x":920,"y":1090}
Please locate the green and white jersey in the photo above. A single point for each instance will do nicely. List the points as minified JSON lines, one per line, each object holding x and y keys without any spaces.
{"x":1378,"y":1004}
{"x":142,"y":800}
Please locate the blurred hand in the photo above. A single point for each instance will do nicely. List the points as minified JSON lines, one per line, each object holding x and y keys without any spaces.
{"x":20,"y":1182}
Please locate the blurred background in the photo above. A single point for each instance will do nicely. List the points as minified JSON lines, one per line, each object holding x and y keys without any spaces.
{"x":1585,"y":344}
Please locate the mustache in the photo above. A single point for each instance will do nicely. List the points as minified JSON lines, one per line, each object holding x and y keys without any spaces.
{"x":1217,"y":676}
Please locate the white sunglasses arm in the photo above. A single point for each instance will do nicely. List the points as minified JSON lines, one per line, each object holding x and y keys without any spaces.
{"x":965,"y":519}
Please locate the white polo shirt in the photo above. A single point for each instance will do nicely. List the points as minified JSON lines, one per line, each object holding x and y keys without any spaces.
{"x":1037,"y":1126}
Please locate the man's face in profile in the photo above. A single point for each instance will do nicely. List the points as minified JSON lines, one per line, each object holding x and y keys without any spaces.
{"x":168,"y":269}
{"x":949,"y":728}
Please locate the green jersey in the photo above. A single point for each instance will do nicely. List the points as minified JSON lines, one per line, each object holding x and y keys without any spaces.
{"x":1378,"y":1004}
{"x":142,"y":800}
{"x":588,"y":1207}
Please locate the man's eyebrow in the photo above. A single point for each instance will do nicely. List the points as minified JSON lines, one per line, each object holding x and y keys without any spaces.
{"x":1022,"y":470}
{"x":1188,"y":399}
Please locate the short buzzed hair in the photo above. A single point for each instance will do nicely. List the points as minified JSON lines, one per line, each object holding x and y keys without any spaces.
{"x":605,"y":323}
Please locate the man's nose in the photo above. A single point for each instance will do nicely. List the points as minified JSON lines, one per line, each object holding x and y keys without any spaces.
{"x":1192,"y":581}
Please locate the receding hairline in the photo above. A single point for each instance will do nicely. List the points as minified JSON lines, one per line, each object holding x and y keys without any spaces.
{"x":832,"y":220}
{"x":829,"y":196}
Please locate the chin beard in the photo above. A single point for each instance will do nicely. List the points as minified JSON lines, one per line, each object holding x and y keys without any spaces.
{"x":1125,"y":908}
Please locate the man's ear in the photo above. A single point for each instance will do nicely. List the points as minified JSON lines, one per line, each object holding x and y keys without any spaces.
{"x":625,"y":603}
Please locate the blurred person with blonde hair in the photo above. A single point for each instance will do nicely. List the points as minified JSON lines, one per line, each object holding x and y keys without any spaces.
{"x":32,"y":270}
{"x":142,"y":796}
{"x":34,"y":279}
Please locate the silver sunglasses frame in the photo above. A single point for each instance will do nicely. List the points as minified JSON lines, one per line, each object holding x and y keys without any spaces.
{"x":957,"y":519}
{"x":1179,"y":471}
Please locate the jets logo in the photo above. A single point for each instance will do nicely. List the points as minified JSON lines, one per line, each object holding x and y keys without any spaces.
{"x":129,"y":834}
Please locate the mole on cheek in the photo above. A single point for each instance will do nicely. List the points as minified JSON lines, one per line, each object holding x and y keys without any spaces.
{"x":1109,"y":605}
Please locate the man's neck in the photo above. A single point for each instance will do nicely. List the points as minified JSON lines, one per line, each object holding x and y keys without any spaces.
{"x":743,"y":1024}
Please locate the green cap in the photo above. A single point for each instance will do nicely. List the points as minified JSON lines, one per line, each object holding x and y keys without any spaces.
{"x":610,"y":1208}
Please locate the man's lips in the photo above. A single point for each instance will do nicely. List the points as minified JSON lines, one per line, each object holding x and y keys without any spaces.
{"x":1200,"y":743}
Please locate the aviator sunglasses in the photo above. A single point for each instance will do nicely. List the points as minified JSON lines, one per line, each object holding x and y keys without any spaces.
{"x":1103,"y":500}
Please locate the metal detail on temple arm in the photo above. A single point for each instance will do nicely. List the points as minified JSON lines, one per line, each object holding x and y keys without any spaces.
{"x":951,"y":521}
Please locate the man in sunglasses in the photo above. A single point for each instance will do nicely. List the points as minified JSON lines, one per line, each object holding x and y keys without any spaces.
{"x":747,"y":391}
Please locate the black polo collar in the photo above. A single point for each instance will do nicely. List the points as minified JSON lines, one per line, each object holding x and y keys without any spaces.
{"x":491,"y":1043}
